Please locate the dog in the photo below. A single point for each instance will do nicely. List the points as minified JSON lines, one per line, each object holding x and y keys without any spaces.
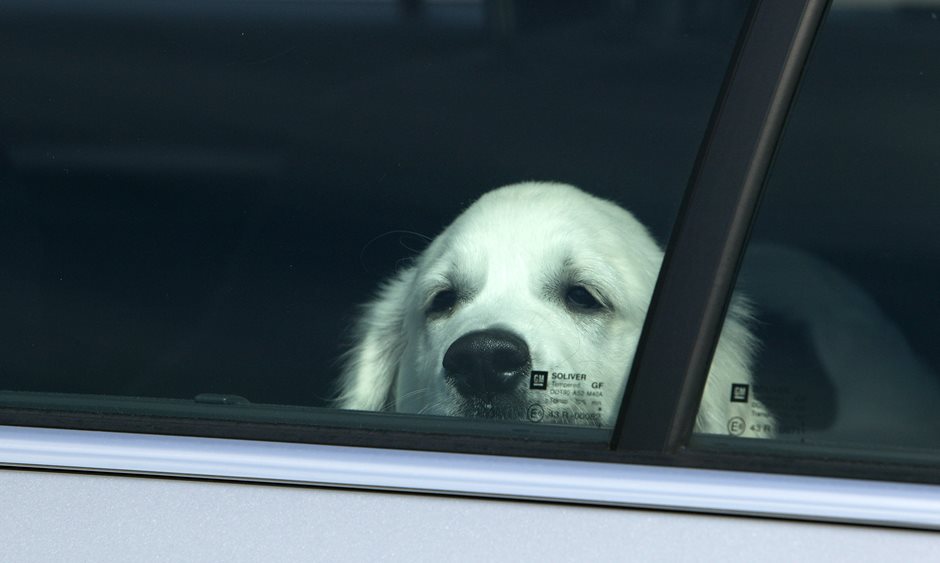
{"x":528,"y":307}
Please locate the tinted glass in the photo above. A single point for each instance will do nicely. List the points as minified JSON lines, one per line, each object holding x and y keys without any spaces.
{"x":196,"y":196}
{"x":842,"y":267}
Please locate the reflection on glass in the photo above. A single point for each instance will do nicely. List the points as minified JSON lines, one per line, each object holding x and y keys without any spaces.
{"x":842,"y":269}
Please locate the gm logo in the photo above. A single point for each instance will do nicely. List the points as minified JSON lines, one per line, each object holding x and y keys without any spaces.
{"x":538,"y":380}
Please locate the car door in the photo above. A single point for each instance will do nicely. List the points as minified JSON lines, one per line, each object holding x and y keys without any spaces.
{"x":195,"y":198}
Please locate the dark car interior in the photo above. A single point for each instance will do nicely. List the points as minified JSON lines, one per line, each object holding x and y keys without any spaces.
{"x":194,"y":197}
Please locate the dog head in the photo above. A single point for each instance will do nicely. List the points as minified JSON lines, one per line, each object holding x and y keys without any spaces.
{"x":532,"y":281}
{"x":529,"y":306}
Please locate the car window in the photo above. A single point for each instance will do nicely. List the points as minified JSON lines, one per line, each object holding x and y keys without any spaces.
{"x":841,"y":268}
{"x":256,"y":210}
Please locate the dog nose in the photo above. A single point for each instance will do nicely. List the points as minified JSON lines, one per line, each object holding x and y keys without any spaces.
{"x":486,"y":362}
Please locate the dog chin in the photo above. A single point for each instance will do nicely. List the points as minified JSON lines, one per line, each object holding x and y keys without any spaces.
{"x":494,"y":408}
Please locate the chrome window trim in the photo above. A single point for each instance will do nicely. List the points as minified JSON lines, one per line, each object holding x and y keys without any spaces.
{"x":636,"y":486}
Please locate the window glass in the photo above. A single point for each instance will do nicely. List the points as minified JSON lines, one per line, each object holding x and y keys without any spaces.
{"x":195,"y":198}
{"x":842,"y":265}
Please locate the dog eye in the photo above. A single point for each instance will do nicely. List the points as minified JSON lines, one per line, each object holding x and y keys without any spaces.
{"x":443,"y":302}
{"x":579,"y":297}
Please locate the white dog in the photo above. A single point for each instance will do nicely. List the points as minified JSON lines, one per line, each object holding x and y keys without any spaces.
{"x":529,"y":307}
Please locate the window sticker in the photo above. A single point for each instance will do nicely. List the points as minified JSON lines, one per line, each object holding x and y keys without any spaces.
{"x":573,"y":398}
{"x":748,"y":417}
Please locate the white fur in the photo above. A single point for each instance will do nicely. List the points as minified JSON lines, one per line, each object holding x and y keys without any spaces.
{"x":511,"y":256}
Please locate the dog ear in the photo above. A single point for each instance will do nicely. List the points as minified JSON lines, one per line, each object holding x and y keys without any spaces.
{"x":370,"y":368}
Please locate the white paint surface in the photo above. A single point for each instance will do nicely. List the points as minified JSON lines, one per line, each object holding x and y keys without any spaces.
{"x":50,"y":516}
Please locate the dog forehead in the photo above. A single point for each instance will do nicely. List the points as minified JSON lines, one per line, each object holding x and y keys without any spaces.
{"x":557,"y":204}
{"x":543,"y":218}
{"x":495,"y":238}
{"x":532,"y":236}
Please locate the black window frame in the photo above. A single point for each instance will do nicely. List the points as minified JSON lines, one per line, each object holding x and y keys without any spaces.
{"x":685,"y":317}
